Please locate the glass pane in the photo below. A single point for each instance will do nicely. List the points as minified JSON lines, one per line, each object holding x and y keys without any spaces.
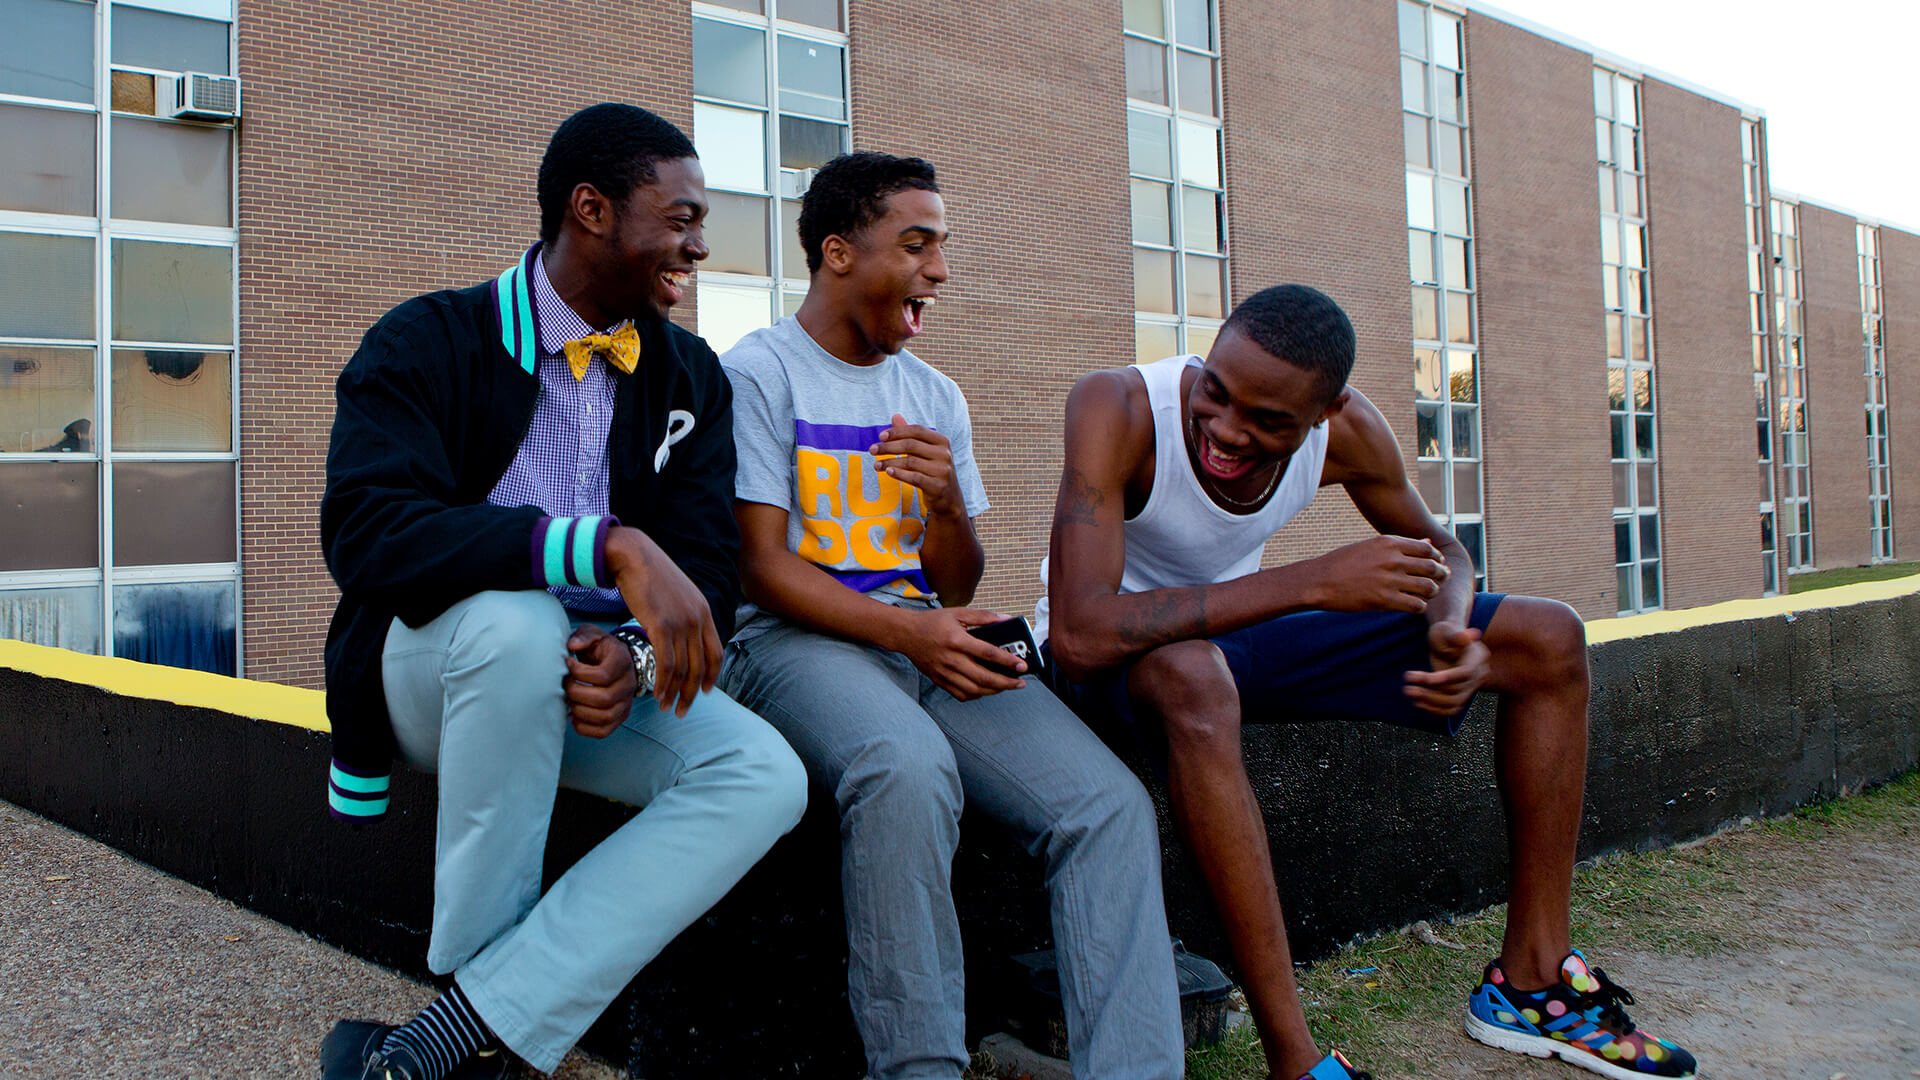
{"x":1451,"y":101}
{"x":61,"y":618}
{"x":1413,"y":29}
{"x":1633,"y":250}
{"x":1606,"y":190}
{"x":1193,"y":23}
{"x":729,"y":62}
{"x":172,"y":292}
{"x":1617,"y":424}
{"x":1617,"y":389}
{"x":728,"y":313}
{"x":1459,"y":318}
{"x":185,"y":625}
{"x":1152,"y":217}
{"x":1426,"y":431}
{"x":1427,"y":374}
{"x":1419,"y":201}
{"x":1620,"y":486}
{"x":1153,"y":281}
{"x":812,"y":78}
{"x":1610,"y":287}
{"x":177,"y":401}
{"x":753,"y":6}
{"x":1199,"y":153}
{"x":1650,"y":585}
{"x":822,"y":13}
{"x":737,"y":233}
{"x":1636,"y":291}
{"x":1462,"y":381}
{"x":1466,"y":435}
{"x":1149,"y":145}
{"x":1195,"y":83}
{"x":1433,"y":486}
{"x":1643,"y":474}
{"x":1154,"y":341}
{"x":1146,"y":71}
{"x":172,"y":172}
{"x":793,"y":258}
{"x":46,"y":399}
{"x":1452,"y":148}
{"x":1426,"y":317}
{"x":1649,"y":536}
{"x":1206,"y":292}
{"x":1453,"y":207}
{"x":161,"y":39}
{"x":49,"y":164}
{"x":1643,"y":391}
{"x":1145,"y":17}
{"x":1473,"y":536}
{"x":1630,"y":196}
{"x":46,"y":286}
{"x":1610,"y":242}
{"x":49,"y":515}
{"x":790,"y":302}
{"x":1446,"y":41}
{"x":1615,"y":343}
{"x":1466,"y":488}
{"x":1413,"y":86}
{"x":1418,"y":152}
{"x":1200,"y":339}
{"x":1200,"y":220}
{"x":1623,"y":576}
{"x":1459,"y":269}
{"x":733,"y":146}
{"x":1622,"y":541}
{"x":809,"y":144}
{"x":1627,"y":108}
{"x":1637,"y":338}
{"x":47,"y":51}
{"x":167,"y":512}
{"x":1420,"y":255}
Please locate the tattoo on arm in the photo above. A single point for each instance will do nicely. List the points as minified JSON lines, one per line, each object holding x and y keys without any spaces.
{"x":1151,"y":617}
{"x":1080,"y":501}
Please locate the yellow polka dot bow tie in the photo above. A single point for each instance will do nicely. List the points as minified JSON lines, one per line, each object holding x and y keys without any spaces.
{"x":621,"y":347}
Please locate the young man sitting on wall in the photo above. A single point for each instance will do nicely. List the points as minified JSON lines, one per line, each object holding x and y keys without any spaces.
{"x":856,"y":497}
{"x":486,"y":439}
{"x":1158,"y":614}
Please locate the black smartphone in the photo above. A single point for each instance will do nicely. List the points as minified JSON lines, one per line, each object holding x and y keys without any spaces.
{"x":1015,"y":636}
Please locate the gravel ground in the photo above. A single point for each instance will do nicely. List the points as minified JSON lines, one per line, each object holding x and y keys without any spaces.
{"x":110,"y":969}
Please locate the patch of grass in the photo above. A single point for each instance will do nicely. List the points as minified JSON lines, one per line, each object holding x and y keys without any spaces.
{"x":1849,"y":575}
{"x":1894,"y":802}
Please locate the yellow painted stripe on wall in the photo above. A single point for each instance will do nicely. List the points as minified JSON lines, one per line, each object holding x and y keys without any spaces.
{"x":307,"y":708}
{"x":1660,"y":622}
{"x":241,"y":697}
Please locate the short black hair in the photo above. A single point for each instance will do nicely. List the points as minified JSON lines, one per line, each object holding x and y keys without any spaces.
{"x":611,"y":146}
{"x":1302,"y":326}
{"x":850,"y":193}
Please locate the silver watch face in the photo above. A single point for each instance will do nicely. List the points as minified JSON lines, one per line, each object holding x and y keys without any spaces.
{"x":643,"y":667}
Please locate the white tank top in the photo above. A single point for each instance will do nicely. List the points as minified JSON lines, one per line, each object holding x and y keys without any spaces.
{"x":1181,"y":537}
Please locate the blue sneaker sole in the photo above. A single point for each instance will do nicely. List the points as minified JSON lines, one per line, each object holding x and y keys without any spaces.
{"x":1520,"y":1042}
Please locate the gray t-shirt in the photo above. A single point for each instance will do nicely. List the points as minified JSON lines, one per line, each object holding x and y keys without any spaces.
{"x":802,"y":423}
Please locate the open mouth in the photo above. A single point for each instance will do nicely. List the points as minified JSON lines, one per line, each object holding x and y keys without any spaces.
{"x":1219,"y":464}
{"x":916,"y":308}
{"x":676,"y":283}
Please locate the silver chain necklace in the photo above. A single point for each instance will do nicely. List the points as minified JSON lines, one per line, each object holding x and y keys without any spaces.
{"x":1278,"y":468}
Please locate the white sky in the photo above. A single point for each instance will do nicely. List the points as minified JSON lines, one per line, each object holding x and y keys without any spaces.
{"x":1834,"y":78}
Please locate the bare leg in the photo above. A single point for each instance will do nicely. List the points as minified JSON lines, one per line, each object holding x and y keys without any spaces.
{"x":1540,"y":761}
{"x":1188,"y":687}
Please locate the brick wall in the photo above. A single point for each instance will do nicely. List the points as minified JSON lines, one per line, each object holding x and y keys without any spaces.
{"x":1702,"y":348}
{"x":1900,"y":297}
{"x":1028,"y":129}
{"x":1317,"y":196}
{"x":1549,"y":488}
{"x":1836,"y":387}
{"x":388,"y":149}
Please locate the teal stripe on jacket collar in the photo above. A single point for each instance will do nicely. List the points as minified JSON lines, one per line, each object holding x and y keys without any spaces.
{"x":513,"y":300}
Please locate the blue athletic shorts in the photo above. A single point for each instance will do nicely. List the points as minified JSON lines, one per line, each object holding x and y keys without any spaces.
{"x":1315,"y":665}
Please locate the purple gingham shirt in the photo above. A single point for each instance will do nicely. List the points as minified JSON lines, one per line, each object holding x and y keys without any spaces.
{"x":561,"y":466}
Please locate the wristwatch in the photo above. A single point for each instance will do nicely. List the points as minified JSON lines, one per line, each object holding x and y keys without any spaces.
{"x":644,"y":667}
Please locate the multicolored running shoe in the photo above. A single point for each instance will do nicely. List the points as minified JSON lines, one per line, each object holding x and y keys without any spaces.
{"x":1578,"y":1020}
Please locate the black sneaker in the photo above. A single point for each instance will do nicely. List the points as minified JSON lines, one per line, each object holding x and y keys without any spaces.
{"x":353,"y":1051}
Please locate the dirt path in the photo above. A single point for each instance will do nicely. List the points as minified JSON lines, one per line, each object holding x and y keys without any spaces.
{"x":110,"y":969}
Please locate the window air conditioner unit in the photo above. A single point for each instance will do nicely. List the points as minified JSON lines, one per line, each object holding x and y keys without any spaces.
{"x":192,"y":95}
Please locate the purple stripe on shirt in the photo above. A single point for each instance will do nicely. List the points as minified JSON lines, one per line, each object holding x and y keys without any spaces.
{"x":837,"y":436}
{"x":865,"y":581}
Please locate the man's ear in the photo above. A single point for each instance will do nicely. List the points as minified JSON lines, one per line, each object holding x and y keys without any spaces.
{"x":837,"y":254}
{"x":1338,"y":403}
{"x":592,"y":211}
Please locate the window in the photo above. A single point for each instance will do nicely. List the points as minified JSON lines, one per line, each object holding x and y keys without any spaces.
{"x":1180,"y":293}
{"x":118,"y":375}
{"x":1795,"y":500}
{"x":1626,"y":286}
{"x":1752,"y":154}
{"x":1440,"y":257}
{"x":1879,"y":466}
{"x":769,"y":106}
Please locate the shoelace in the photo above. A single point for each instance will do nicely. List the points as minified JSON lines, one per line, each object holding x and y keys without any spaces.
{"x":1610,"y":997}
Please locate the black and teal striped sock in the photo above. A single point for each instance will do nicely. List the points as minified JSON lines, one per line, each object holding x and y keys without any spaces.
{"x":445,"y":1033}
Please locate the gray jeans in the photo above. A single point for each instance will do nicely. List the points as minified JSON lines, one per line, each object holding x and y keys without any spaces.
{"x":476,"y":697}
{"x":899,"y":755}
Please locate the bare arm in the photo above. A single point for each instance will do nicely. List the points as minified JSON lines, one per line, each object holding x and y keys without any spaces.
{"x":935,"y":640}
{"x":950,"y":553}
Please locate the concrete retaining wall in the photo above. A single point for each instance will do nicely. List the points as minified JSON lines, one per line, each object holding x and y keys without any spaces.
{"x":1745,"y":710}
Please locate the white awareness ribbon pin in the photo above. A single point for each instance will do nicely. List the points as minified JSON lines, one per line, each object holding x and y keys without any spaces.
{"x":679,"y":426}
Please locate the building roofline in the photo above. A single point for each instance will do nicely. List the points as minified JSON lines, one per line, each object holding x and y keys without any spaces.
{"x":1833,"y":208}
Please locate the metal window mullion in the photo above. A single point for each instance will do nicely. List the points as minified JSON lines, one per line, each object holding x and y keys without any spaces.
{"x":103,"y":310}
